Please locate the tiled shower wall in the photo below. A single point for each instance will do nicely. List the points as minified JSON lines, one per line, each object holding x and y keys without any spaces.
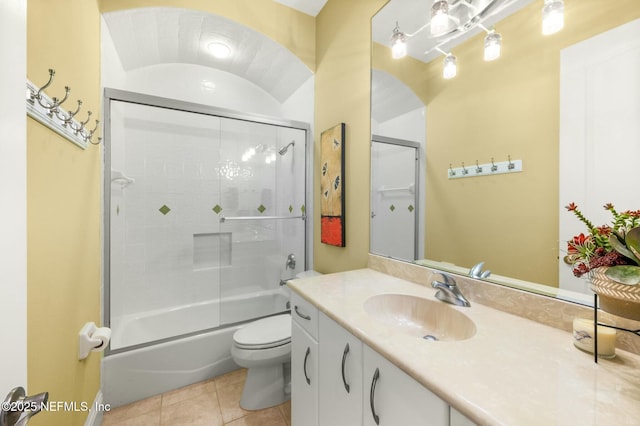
{"x":168,"y":245}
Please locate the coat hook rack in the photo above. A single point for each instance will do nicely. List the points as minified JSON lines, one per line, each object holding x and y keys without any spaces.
{"x":47,"y":111}
{"x":488,"y":169}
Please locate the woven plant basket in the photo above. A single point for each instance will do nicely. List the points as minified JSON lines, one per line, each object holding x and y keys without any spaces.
{"x":618,"y":299}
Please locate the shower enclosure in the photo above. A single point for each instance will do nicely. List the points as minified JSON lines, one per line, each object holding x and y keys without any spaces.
{"x":205,"y":216}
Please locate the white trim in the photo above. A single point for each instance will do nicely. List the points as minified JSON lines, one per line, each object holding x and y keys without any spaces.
{"x":95,"y":416}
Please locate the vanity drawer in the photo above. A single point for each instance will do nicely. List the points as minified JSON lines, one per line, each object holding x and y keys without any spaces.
{"x":305,"y":314}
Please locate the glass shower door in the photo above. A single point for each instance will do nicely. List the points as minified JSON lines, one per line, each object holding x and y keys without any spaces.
{"x":262,"y":190}
{"x":394,"y":202}
{"x":164,"y":252}
{"x":205,"y":218}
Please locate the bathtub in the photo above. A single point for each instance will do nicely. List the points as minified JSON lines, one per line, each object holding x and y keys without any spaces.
{"x":173,"y":355}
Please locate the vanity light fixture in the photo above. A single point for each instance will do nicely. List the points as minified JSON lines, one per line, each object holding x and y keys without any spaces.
{"x":398,"y":43}
{"x":552,"y":16}
{"x":219,"y":49}
{"x":439,"y":17}
{"x":492,"y":45}
{"x":448,"y":21}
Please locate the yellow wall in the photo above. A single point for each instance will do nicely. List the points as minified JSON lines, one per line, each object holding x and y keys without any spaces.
{"x":63,"y":210}
{"x":343,"y":79}
{"x":292,"y":29}
{"x":496,"y":109}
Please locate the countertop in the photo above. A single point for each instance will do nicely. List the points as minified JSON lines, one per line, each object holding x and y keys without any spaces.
{"x":513,"y":371}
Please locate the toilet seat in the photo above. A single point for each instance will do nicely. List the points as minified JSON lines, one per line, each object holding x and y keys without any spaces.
{"x":266,"y":333}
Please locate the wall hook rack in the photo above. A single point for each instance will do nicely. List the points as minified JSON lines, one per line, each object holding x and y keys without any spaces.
{"x":488,"y":169}
{"x":47,"y":111}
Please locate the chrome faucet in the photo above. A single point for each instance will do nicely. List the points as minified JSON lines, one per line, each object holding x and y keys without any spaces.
{"x":448,"y":291}
{"x":477,"y":272}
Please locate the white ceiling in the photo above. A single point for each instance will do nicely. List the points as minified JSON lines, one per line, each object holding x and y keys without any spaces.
{"x":310,"y":7}
{"x":390,"y":97}
{"x":151,"y":36}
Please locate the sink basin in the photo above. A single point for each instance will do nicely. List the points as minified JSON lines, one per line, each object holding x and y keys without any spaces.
{"x":420,"y":317}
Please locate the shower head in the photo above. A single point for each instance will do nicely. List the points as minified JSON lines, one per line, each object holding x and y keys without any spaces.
{"x":283,"y":151}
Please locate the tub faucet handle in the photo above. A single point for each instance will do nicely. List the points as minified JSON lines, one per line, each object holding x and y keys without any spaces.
{"x":291,"y":262}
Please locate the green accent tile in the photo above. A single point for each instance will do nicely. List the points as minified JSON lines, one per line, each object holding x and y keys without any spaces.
{"x":410,"y":208}
{"x":164,"y":209}
{"x":217,"y":209}
{"x":302,"y":209}
{"x":290,"y":208}
{"x":261,"y":208}
{"x":392,"y":207}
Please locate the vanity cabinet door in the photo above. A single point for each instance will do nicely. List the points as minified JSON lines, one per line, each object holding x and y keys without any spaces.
{"x":340,"y":363}
{"x":304,"y":377}
{"x":393,"y":398}
{"x":458,"y":419}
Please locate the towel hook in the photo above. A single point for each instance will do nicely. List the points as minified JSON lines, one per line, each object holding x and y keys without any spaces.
{"x":38,"y":95}
{"x":88,"y":136}
{"x":464,"y":170}
{"x":67,"y":120}
{"x":478,"y":168}
{"x":494,"y":168}
{"x":55,"y":103}
{"x":511,"y":165}
{"x":451,"y":171}
{"x":80,"y":128}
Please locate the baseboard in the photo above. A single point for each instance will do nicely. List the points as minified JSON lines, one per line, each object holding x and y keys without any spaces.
{"x":97,"y":410}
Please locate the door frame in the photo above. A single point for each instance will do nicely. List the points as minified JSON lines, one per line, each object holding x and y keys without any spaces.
{"x":13,"y":186}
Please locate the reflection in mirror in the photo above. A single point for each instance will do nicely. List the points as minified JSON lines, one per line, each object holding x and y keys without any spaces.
{"x":521,"y":105}
{"x":395,"y":186}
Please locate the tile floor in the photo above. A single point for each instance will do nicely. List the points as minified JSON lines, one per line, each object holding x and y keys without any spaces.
{"x":214,"y":402}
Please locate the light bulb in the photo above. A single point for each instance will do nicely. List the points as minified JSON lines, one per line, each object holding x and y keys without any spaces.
{"x":398,"y":44}
{"x":398,"y":49}
{"x":552,"y":16}
{"x":492,"y":46}
{"x":450,"y":67}
{"x":439,"y":17}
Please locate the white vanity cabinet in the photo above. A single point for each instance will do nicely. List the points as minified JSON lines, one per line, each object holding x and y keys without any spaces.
{"x":304,"y":363}
{"x":393,"y":398}
{"x":340,"y":375}
{"x":336,"y":380}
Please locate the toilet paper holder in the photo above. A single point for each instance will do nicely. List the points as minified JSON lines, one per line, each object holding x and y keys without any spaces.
{"x":92,"y":338}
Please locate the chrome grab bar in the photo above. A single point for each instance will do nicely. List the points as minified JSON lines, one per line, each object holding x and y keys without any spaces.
{"x":224,"y":219}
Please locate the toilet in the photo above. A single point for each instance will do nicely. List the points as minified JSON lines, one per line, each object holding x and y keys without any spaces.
{"x":264,"y":348}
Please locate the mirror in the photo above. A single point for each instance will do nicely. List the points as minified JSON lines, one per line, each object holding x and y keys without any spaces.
{"x":512,"y":108}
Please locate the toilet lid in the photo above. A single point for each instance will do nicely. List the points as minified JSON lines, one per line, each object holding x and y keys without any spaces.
{"x":265,"y":333}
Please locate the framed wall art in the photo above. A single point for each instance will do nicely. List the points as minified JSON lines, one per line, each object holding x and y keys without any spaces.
{"x":332,"y":210}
